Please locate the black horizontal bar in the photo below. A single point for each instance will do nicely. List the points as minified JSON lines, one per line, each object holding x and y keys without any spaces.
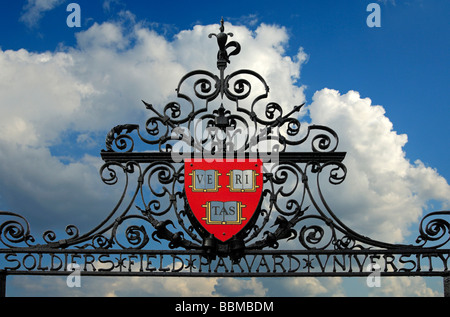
{"x":296,"y":157}
{"x":193,"y":266}
{"x":229,"y":274}
{"x":181,"y":252}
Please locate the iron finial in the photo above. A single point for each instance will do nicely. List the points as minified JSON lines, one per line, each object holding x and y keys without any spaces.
{"x":223,"y":57}
{"x":222,"y":26}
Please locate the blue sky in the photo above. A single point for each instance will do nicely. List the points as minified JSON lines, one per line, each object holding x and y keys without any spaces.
{"x":402,"y":67}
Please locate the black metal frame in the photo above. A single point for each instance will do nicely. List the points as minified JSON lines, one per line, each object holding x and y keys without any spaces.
{"x":222,"y":117}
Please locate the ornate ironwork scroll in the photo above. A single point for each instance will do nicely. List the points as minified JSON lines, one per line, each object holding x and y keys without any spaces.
{"x":153,"y":229}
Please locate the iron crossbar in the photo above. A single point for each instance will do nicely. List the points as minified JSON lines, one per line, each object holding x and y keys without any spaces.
{"x":296,"y":157}
{"x":263,"y":263}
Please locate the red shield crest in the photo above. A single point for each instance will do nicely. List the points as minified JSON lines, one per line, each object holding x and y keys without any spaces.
{"x":223,"y":195}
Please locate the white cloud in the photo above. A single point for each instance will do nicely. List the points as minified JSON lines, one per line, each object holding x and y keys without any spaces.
{"x":239,"y":287}
{"x":106,"y":35}
{"x":138,"y":286}
{"x":161,"y":287}
{"x":404,"y":287}
{"x":383,"y":193}
{"x":181,"y":287}
{"x":304,"y":286}
{"x":34,"y":10}
{"x":108,"y":5}
{"x":39,"y":95}
{"x":114,"y":287}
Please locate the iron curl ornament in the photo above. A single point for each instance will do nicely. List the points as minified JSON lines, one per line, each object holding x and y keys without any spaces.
{"x":221,"y":182}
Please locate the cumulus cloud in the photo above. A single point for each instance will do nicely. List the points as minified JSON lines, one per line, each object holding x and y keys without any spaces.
{"x":39,"y":96}
{"x":34,"y":10}
{"x":404,"y":287}
{"x":189,"y":287}
{"x":303,"y":287}
{"x":384,"y":193}
{"x":226,"y":287}
{"x":53,"y":102}
{"x":115,"y":287}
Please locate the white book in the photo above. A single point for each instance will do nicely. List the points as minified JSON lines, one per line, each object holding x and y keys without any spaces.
{"x":205,"y":181}
{"x":242,"y":181}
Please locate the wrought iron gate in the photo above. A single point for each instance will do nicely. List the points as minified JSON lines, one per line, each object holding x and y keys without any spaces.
{"x":154,"y":229}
